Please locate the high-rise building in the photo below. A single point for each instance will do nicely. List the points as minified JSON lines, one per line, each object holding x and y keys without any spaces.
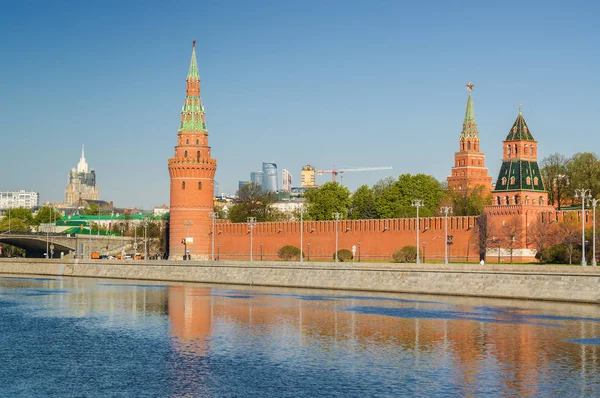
{"x":286,"y":180}
{"x":22,"y":198}
{"x":469,"y":168}
{"x":307,"y":176}
{"x":242,"y":184}
{"x":257,"y":177}
{"x":82,"y":183}
{"x":269,"y":182}
{"x":192,"y":173}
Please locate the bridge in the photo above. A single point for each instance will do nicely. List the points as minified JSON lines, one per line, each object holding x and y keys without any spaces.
{"x":37,"y":244}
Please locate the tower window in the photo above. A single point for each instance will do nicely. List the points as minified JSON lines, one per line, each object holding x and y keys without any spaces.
{"x":199,"y":185}
{"x":469,"y":145}
{"x":185,"y":154}
{"x":512,"y":180}
{"x":187,"y":141}
{"x":535,"y":181}
{"x":508,"y":149}
{"x":183,"y":185}
{"x":197,"y":141}
{"x":516,"y":149}
{"x":528,"y":180}
{"x":198,"y":156}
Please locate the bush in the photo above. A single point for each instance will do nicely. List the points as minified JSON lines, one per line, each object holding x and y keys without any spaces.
{"x":344,"y":255}
{"x":408,"y":254}
{"x":288,"y":252}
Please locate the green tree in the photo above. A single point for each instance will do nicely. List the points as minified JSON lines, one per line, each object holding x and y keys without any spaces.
{"x":382,"y":185}
{"x":554,"y":176}
{"x":253,"y":201}
{"x":362,"y":204}
{"x":408,"y":254}
{"x":19,"y":213}
{"x":288,"y":252}
{"x":343,"y":255}
{"x":395,"y":200}
{"x":470,"y":201}
{"x":485,"y":232}
{"x":46,"y":215}
{"x":330,"y":198}
{"x":16,"y":225}
{"x":584,"y":172}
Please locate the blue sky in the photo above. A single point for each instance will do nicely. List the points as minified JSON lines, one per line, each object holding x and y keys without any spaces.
{"x":344,"y":83}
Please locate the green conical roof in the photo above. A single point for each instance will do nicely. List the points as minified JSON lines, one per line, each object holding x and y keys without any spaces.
{"x":193,"y":72}
{"x":519,"y":130}
{"x":469,"y":129}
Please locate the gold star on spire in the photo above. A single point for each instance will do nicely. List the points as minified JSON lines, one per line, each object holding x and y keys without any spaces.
{"x":470,"y":86}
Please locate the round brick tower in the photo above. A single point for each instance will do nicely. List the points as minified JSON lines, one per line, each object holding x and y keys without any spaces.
{"x":192,"y":172}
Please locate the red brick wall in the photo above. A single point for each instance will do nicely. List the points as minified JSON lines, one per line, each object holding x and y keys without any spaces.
{"x":378,"y":238}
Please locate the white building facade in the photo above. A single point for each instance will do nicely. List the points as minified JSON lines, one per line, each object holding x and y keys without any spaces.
{"x":22,"y":198}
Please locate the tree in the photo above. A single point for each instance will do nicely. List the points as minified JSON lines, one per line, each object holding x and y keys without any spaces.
{"x":46,"y":215}
{"x":470,"y":201}
{"x":512,"y":233}
{"x":330,"y":198}
{"x":16,"y":225}
{"x":554,"y":176}
{"x":395,"y":200}
{"x":252,"y":201}
{"x":363,"y":204}
{"x":584,"y":172}
{"x":288,"y":252}
{"x":382,"y":185}
{"x":91,"y":209}
{"x":20,"y":213}
{"x":344,"y":255}
{"x":542,"y":235}
{"x":484,"y":230}
{"x":569,"y":234}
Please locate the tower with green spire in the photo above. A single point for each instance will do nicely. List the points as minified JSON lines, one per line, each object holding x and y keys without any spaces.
{"x":192,"y":172}
{"x":519,"y":180}
{"x":469,"y":169}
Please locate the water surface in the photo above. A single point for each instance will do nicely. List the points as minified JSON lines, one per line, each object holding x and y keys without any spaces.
{"x":84,"y":337}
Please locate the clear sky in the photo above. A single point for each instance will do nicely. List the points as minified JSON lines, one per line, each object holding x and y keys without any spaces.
{"x":344,"y":83}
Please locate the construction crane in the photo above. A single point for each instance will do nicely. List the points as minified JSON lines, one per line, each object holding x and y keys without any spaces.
{"x":334,"y":172}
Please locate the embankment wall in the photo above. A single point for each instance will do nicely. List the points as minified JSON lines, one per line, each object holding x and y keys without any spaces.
{"x":555,"y":283}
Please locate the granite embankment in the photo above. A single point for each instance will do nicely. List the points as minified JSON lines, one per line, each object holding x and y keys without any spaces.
{"x":558,"y":283}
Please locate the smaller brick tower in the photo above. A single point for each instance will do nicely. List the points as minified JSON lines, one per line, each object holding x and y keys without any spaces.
{"x":469,"y":168}
{"x":192,"y":172}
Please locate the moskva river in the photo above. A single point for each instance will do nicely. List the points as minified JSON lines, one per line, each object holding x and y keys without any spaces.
{"x":106,"y":338}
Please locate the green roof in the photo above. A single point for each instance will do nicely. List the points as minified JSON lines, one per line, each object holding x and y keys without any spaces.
{"x":514,"y":175}
{"x":519,"y":130}
{"x":192,"y":112}
{"x":469,"y":125}
{"x":193,"y":72}
{"x":78,"y":219}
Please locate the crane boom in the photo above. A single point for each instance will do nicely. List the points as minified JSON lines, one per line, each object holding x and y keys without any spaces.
{"x":334,"y":172}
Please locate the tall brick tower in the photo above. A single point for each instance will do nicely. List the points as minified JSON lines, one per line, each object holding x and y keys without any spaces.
{"x":192,"y":172}
{"x":469,"y":168}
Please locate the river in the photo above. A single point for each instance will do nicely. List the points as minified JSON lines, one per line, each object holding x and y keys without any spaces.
{"x":75,"y":337}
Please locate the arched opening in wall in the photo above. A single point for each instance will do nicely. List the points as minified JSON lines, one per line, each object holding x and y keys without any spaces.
{"x":197,"y":156}
{"x":517,"y":199}
{"x":541,"y":201}
{"x":199,"y":185}
{"x":516,"y":149}
{"x":185,"y":154}
{"x":506,"y":200}
{"x":498,"y":200}
{"x":183,"y":185}
{"x":462,"y":144}
{"x":527,"y":199}
{"x":187,"y":142}
{"x":197,"y":141}
{"x":508,"y":149}
{"x":469,"y":145}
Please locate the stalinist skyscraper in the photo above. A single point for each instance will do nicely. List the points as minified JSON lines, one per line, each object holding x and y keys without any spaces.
{"x":82,"y":183}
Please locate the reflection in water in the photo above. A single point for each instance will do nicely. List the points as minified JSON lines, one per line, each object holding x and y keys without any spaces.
{"x":219,"y":341}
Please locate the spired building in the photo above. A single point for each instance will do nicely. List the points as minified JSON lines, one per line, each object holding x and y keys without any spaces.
{"x":82,"y":183}
{"x":469,"y":168}
{"x":192,"y":172}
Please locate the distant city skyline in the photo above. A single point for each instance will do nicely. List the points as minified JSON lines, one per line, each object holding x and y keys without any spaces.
{"x":337,"y":83}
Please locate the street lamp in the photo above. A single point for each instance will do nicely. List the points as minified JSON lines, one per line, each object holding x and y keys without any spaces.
{"x":186,"y":255}
{"x":336,"y":216}
{"x":423,"y":252}
{"x":417,"y":203}
{"x":218,"y":251}
{"x":145,"y":225}
{"x":359,"y":251}
{"x":261,"y":251}
{"x":594,"y":202}
{"x":582,"y":193}
{"x":214,"y":216}
{"x":446,"y":210}
{"x":251,"y":224}
{"x":308,"y":256}
{"x":497,"y":240}
{"x":302,"y":210}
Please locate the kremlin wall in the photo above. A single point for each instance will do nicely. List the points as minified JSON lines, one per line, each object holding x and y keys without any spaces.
{"x":518,"y":191}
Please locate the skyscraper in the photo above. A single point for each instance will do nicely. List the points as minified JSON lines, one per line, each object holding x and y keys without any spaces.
{"x":82,"y":183}
{"x":286,"y":180}
{"x":192,"y":173}
{"x":307,"y":176}
{"x":257,"y":177}
{"x":269,"y":182}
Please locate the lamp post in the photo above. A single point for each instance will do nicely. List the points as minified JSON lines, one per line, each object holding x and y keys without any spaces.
{"x":594,"y":202}
{"x":218,"y":251}
{"x":134,"y":242}
{"x":214,"y":216}
{"x":359,"y":251}
{"x":187,"y":223}
{"x":336,"y":216}
{"x":145,"y":225}
{"x":417,"y":203}
{"x":261,"y":251}
{"x":446,"y":210}
{"x":498,"y":241}
{"x":302,"y":210}
{"x":583,"y":194}
{"x":90,"y":238}
{"x":251,"y":224}
{"x":423,"y":252}
{"x":308,"y":249}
